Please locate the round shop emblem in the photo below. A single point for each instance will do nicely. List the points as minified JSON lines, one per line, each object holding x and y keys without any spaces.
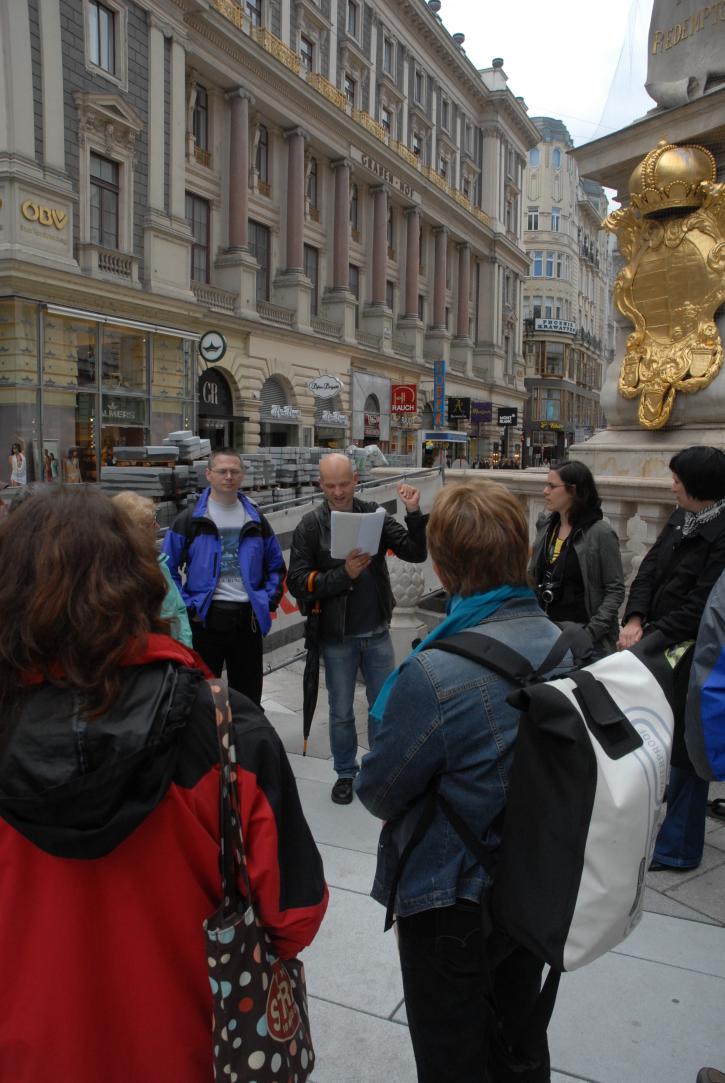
{"x":212,"y":346}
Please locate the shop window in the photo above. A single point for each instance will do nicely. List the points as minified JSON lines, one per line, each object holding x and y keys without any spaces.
{"x":104,"y":201}
{"x":259,"y":246}
{"x":123,"y":357}
{"x":312,"y":265}
{"x":18,"y":344}
{"x":198,"y":217}
{"x":70,"y":351}
{"x":105,"y":40}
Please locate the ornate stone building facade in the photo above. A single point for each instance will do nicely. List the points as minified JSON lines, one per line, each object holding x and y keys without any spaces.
{"x":332,"y":188}
{"x":568,"y":318}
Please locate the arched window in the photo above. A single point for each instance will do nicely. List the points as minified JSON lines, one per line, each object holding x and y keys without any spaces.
{"x":556,"y":158}
{"x":534,"y":156}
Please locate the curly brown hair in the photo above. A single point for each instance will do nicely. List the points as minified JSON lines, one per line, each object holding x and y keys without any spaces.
{"x":79,"y":584}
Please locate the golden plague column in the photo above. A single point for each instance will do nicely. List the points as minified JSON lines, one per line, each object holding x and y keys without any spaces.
{"x":672,"y":237}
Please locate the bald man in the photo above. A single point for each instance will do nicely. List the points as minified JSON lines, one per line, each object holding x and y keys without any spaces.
{"x":357,"y":603}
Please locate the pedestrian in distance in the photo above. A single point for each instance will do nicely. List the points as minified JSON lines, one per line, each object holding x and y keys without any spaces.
{"x":447,"y":728}
{"x":18,"y":466}
{"x":356,"y":603}
{"x":668,"y":596}
{"x":110,"y":809}
{"x":234,"y":574}
{"x":576,"y":564}
{"x":141,"y":512}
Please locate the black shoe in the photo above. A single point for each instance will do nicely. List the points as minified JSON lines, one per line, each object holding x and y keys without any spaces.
{"x":658,"y":866}
{"x":342,"y":791}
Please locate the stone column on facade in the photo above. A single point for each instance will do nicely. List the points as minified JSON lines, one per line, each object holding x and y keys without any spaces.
{"x":412,"y":262}
{"x":17,"y":122}
{"x":285,"y":28}
{"x":332,"y":46}
{"x":403,"y":137}
{"x":240,"y":100}
{"x":295,"y":199}
{"x":380,"y":243}
{"x":177,"y":133}
{"x":439,"y":278}
{"x":434,"y":129}
{"x":464,"y":289}
{"x":341,"y":238}
{"x":156,"y":119}
{"x":490,"y":175}
{"x":51,"y":59}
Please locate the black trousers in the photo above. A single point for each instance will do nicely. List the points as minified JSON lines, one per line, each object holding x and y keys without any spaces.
{"x":457,"y":1035}
{"x":230,"y":636}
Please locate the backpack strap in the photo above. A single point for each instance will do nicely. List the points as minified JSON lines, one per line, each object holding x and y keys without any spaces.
{"x":505,"y":661}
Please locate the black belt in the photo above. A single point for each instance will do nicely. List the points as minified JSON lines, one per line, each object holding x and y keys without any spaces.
{"x":230,"y":605}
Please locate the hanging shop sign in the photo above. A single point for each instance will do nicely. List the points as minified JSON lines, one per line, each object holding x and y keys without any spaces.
{"x":481,"y":413}
{"x":372,"y":425}
{"x":325,"y":387}
{"x":333,"y":418}
{"x":284,"y":413}
{"x":212,"y":346}
{"x":566,"y":327}
{"x":459,"y":409}
{"x":508,"y":415}
{"x":403,"y":398}
{"x":439,"y":394}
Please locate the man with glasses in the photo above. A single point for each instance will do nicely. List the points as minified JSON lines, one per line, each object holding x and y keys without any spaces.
{"x":234,"y":574}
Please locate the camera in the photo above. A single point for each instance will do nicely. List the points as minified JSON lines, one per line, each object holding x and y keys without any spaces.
{"x":546,"y":594}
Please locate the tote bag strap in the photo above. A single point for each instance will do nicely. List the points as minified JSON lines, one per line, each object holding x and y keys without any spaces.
{"x":233,"y":857}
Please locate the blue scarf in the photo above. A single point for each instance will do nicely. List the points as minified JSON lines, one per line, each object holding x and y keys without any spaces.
{"x":461,"y":613}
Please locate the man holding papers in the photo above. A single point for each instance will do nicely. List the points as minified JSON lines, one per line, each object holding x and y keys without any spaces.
{"x":355,"y":596}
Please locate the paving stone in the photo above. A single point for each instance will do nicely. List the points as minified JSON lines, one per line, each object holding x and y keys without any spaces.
{"x":663,"y":938}
{"x":706,"y":893}
{"x":657,"y":902}
{"x":352,"y":1047}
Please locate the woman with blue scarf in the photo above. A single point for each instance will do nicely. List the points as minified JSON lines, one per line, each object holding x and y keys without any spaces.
{"x":444,"y":724}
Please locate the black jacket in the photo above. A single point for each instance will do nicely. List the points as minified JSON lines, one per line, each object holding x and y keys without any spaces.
{"x":675,"y":578}
{"x":310,"y":552}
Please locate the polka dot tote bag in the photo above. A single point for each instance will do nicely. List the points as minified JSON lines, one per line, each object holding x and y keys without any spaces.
{"x":261,"y":1029}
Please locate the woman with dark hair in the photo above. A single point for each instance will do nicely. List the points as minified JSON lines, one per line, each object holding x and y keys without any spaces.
{"x":446,"y":724}
{"x":668,"y":596}
{"x":18,"y":466}
{"x":109,"y":809}
{"x":576,"y":562}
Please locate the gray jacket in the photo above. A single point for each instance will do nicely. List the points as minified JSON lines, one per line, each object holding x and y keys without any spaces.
{"x":600,"y":560}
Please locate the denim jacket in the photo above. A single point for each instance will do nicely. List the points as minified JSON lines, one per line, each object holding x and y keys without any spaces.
{"x":447,"y":723}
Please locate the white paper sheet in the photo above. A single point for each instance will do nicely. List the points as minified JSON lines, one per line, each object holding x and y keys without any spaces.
{"x":356,"y":530}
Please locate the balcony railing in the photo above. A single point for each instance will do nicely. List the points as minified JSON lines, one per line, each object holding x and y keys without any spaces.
{"x":275,"y":313}
{"x":325,"y":327}
{"x":230,"y":10}
{"x":211,"y":297}
{"x":202,"y":156}
{"x":370,"y":125}
{"x":325,"y":87}
{"x":276,"y":48}
{"x":366,"y":338}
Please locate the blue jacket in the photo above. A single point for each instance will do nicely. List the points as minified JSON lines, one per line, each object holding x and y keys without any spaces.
{"x":447,"y":722}
{"x":193,"y":542}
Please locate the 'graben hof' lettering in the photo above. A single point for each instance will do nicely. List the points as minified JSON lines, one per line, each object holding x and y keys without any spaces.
{"x":46,"y":216}
{"x":705,"y":18}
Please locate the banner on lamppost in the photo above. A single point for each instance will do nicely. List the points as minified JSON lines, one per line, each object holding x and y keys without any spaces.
{"x":439,"y":394}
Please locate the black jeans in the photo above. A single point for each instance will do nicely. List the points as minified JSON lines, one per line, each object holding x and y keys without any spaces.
{"x":457,"y":1037}
{"x":230,"y":636}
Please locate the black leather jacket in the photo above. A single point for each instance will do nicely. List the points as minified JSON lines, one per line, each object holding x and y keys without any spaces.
{"x":310,"y":552}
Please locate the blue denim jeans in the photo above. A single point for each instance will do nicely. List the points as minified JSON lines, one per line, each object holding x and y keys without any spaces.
{"x":681,"y":839}
{"x":373,"y":655}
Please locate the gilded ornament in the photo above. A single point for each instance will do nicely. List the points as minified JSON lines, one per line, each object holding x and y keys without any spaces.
{"x":673,"y":239}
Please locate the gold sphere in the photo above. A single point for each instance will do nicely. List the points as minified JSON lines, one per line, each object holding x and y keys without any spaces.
{"x":672,"y":177}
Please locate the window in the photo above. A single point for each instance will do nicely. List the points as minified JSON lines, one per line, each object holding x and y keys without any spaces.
{"x":354,"y":209}
{"x":312,"y":263}
{"x":350,"y":86}
{"x":262,"y":159}
{"x":536,"y":307}
{"x":102,"y":36}
{"x":467,"y":187}
{"x":556,"y":158}
{"x":559,"y":265}
{"x":104,"y":201}
{"x":537,"y":264}
{"x":254,"y":12}
{"x":548,"y":308}
{"x":312,"y":184}
{"x":352,"y":18}
{"x":534,"y":156}
{"x":390,"y":294}
{"x":197,"y":214}
{"x":307,"y":53}
{"x":532,"y":221}
{"x":443,"y":166}
{"x":200,"y":119}
{"x":549,"y":264}
{"x":421,"y":308}
{"x":260,"y":249}
{"x":417,"y":146}
{"x":418,"y":85}
{"x":468,"y":138}
{"x":550,"y":404}
{"x":354,"y":283}
{"x":555,"y":219}
{"x":386,"y":119}
{"x":388,"y":56}
{"x":391,"y":232}
{"x":445,"y":113}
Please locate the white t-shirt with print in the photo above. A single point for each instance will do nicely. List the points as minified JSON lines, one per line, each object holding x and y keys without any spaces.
{"x":229,"y":520}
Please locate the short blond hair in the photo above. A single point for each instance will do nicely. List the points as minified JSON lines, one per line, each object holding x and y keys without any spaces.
{"x":478,"y":537}
{"x":139,"y":509}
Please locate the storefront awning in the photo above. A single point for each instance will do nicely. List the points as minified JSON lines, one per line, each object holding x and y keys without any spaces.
{"x":102,"y":317}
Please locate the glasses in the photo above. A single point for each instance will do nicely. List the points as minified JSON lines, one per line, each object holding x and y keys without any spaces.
{"x":227,"y":473}
{"x":548,"y":485}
